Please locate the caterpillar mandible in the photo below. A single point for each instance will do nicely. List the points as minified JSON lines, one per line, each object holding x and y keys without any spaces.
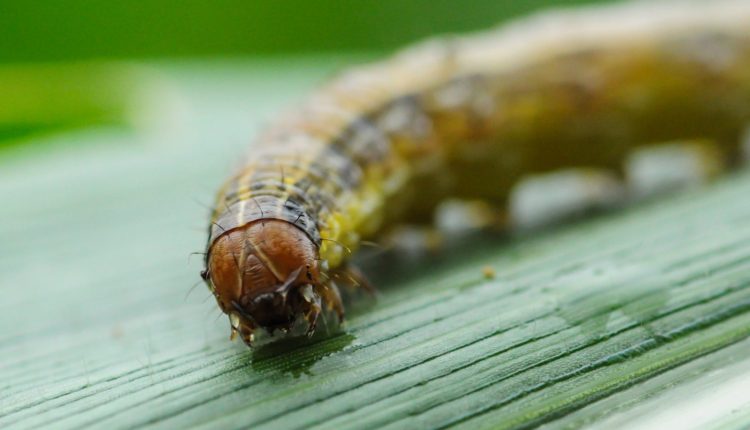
{"x":463,"y":116}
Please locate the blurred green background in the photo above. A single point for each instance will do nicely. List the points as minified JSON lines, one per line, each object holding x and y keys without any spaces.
{"x":50,"y":30}
{"x":70,"y":64}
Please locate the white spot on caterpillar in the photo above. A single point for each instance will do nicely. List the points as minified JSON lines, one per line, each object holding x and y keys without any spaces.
{"x":657,"y":169}
{"x":404,"y":117}
{"x":542,"y":199}
{"x":457,"y":216}
{"x":455,"y":95}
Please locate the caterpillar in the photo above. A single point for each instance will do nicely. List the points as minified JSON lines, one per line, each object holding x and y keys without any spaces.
{"x":464,"y":116}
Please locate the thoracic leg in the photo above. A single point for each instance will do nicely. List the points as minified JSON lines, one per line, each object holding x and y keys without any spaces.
{"x":348,"y":277}
{"x":331,"y":298}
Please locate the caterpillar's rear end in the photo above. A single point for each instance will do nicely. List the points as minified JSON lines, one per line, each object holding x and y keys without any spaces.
{"x":466,"y":117}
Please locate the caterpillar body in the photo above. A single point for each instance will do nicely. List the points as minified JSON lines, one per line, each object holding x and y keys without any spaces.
{"x":463,"y":116}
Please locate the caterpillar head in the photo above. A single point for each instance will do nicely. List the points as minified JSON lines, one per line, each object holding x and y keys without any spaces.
{"x":265,"y":275}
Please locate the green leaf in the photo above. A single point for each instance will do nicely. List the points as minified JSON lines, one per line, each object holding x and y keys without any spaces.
{"x":581,"y":323}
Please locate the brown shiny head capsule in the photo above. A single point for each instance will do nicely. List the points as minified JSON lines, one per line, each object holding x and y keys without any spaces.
{"x":265,"y":275}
